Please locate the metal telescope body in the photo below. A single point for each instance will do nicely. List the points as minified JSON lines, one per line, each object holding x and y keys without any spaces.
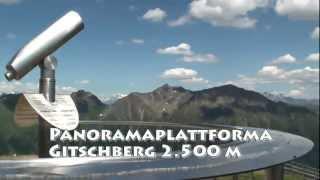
{"x":38,"y":53}
{"x":43,"y":45}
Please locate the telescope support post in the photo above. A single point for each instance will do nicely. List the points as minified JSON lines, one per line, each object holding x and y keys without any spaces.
{"x":47,"y":87}
{"x":275,"y":172}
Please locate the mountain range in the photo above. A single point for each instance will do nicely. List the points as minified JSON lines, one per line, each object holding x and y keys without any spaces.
{"x":226,"y":104}
{"x":312,"y":104}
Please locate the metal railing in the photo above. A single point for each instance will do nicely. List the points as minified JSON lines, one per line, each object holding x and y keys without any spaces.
{"x":306,"y":171}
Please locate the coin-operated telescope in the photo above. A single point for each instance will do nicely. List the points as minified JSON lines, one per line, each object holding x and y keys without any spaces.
{"x":38,"y":52}
{"x":34,"y":52}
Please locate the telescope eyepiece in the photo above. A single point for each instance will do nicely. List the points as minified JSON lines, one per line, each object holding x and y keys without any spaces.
{"x":9,"y":75}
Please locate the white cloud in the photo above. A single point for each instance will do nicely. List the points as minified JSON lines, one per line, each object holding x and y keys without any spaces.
{"x":315,"y":33}
{"x":180,"y":21}
{"x":285,"y":59}
{"x":181,"y":49}
{"x":273,"y":74}
{"x":65,"y":89}
{"x":235,"y":13}
{"x":226,"y":13}
{"x":298,"y":9}
{"x":306,"y":80}
{"x":187,"y":54}
{"x":295,"y":93}
{"x":303,"y":76}
{"x":17,"y":87}
{"x":245,"y":82}
{"x":202,"y":58}
{"x":84,"y":81}
{"x":119,"y":95}
{"x":26,"y":87}
{"x":265,"y":76}
{"x":186,"y":76}
{"x":314,"y":57}
{"x":306,"y":75}
{"x":270,"y":71}
{"x":137,"y":41}
{"x":110,"y":99}
{"x":179,"y":73}
{"x":155,"y":15}
{"x":9,"y":2}
{"x":239,"y":84}
{"x":195,"y":80}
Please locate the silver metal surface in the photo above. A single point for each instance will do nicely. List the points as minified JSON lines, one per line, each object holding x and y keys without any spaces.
{"x":47,"y":87}
{"x":43,"y":45}
{"x":255,"y":155}
{"x":47,"y":82}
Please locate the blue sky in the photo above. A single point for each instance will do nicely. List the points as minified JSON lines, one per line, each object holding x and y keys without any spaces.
{"x":126,"y":46}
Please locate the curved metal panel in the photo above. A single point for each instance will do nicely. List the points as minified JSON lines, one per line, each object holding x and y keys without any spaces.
{"x":255,"y":155}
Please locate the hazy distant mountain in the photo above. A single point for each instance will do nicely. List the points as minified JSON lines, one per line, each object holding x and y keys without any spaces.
{"x":148,"y":106}
{"x":218,"y":104}
{"x":89,"y":106}
{"x":113,"y":98}
{"x":312,"y":104}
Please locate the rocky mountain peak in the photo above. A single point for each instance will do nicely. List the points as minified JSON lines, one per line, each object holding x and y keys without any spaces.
{"x":235,"y":92}
{"x":166,"y":88}
{"x":83,"y":99}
